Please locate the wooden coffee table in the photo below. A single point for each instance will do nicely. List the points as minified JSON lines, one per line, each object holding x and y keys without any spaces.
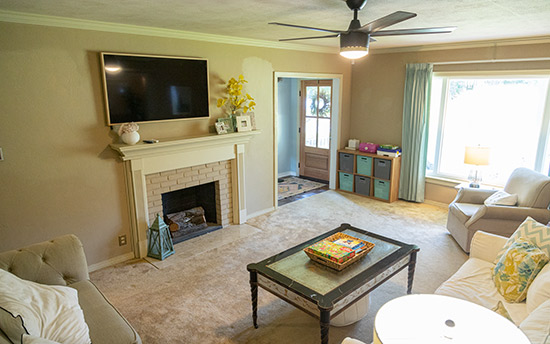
{"x":323,"y":292}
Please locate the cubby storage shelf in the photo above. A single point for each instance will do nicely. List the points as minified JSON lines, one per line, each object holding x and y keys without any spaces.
{"x":370,"y":175}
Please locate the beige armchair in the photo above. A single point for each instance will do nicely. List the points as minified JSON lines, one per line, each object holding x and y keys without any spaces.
{"x":468,"y":213}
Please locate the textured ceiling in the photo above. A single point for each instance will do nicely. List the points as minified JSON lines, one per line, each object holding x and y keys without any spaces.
{"x":476,"y":19}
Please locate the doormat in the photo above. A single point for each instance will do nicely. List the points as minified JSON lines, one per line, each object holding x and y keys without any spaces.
{"x":291,"y":186}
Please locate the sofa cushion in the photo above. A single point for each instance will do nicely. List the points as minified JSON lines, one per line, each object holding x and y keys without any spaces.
{"x":530,"y":229}
{"x":51,"y":312}
{"x":537,"y":325}
{"x":473,"y":282}
{"x":539,"y":291}
{"x":517,"y":268}
{"x":501,"y":198}
{"x":107,"y":325}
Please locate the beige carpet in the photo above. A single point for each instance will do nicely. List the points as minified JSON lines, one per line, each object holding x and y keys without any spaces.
{"x":202,"y":293}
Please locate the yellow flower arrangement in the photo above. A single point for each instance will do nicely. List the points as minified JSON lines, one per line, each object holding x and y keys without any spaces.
{"x":235,"y":99}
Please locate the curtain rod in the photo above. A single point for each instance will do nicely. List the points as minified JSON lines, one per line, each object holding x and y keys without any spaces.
{"x":528,"y":59}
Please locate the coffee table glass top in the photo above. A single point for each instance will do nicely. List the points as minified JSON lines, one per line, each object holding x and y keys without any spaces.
{"x":300,"y":268}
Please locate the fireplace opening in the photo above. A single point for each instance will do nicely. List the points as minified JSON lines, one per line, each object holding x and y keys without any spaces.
{"x":191,"y":212}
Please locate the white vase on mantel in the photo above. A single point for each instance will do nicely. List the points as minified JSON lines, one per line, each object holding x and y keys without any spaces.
{"x":130,"y":138}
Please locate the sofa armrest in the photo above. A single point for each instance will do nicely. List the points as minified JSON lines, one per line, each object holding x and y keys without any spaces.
{"x":60,"y":261}
{"x":485,"y":246}
{"x":512,"y":213}
{"x":474,"y":196}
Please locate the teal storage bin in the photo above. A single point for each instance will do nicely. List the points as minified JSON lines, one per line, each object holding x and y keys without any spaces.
{"x":382,"y":189}
{"x":346,"y":181}
{"x":364,"y":165}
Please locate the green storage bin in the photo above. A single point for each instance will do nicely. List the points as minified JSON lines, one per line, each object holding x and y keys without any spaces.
{"x":364,"y":165}
{"x":382,"y":189}
{"x":346,"y":181}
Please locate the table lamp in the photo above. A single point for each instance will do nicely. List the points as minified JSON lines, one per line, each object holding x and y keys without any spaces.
{"x":478,"y":156}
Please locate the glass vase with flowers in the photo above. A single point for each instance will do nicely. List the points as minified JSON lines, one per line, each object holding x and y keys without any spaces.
{"x":236,"y":100}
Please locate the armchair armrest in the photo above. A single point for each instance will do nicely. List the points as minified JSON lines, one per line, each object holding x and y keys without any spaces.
{"x":485,"y":246}
{"x":475,"y":196}
{"x":503,"y":212}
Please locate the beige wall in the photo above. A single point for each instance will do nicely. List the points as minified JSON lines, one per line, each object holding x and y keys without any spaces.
{"x":378,"y":81}
{"x":59,"y":175}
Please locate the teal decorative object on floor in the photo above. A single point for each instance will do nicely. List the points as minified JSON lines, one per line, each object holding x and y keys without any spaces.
{"x":159,"y":241}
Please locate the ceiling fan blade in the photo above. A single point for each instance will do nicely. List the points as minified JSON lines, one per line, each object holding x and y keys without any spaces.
{"x":295,"y":39}
{"x":391,"y":19}
{"x":306,"y":27}
{"x":420,"y":31}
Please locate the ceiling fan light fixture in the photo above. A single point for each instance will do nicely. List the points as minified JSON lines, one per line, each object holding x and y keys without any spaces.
{"x":354,"y":45}
{"x":353,"y":53}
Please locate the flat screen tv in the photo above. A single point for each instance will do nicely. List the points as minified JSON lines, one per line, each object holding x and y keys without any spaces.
{"x":148,"y":88}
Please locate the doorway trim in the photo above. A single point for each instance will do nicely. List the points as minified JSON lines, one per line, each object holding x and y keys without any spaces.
{"x":335,"y":130}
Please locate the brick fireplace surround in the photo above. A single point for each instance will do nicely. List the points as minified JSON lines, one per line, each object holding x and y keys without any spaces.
{"x":182,"y":178}
{"x":174,"y":164}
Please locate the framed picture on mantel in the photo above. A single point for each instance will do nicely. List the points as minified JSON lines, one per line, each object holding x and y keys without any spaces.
{"x":227,"y":124}
{"x":243,"y":123}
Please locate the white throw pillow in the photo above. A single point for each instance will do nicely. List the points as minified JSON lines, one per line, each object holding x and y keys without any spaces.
{"x":501,"y":198}
{"x":537,"y":324}
{"x":49,"y":312}
{"x":539,"y":291}
{"x":28,"y":339}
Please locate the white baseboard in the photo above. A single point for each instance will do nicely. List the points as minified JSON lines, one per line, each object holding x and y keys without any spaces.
{"x":112,"y":261}
{"x":258,"y":213}
{"x":286,"y":174}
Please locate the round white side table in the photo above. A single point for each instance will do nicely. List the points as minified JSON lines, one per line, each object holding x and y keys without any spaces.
{"x":429,"y":318}
{"x":352,"y":314}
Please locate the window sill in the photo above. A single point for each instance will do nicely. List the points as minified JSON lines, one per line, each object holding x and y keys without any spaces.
{"x":451,"y":183}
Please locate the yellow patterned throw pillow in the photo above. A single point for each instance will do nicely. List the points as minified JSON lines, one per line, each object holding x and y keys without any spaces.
{"x":517,"y":268}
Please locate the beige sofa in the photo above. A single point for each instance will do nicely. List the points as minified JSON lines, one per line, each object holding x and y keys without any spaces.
{"x":473,"y":282}
{"x":468,"y":213}
{"x":61,"y":261}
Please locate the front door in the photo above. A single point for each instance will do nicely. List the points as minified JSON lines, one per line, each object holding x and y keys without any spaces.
{"x":316,"y":115}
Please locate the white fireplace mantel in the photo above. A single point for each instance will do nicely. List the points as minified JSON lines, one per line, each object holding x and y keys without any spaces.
{"x":169,"y":154}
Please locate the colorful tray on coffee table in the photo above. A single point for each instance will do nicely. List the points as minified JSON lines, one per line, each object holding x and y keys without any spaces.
{"x":338,"y":250}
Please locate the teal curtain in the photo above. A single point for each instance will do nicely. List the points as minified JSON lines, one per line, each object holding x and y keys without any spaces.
{"x":416,"y":109}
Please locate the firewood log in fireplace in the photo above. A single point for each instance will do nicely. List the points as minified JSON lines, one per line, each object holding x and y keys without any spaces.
{"x":190,"y":218}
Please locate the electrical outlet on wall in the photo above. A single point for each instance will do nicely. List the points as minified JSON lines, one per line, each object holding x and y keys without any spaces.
{"x":121,"y":240}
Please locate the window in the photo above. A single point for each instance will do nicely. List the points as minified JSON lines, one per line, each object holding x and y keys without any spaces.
{"x":508,"y":114}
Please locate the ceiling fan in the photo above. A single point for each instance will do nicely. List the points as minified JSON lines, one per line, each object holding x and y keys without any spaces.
{"x":354,"y":42}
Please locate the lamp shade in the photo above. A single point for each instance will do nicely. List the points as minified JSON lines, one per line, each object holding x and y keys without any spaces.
{"x":477,"y":156}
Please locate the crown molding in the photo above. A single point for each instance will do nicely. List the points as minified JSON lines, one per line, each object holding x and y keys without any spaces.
{"x":465,"y":45}
{"x":45,"y":20}
{"x":83,"y":24}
